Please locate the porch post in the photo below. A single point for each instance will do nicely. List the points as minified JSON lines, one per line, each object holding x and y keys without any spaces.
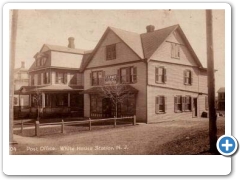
{"x":43,"y":100}
{"x":30,"y":100}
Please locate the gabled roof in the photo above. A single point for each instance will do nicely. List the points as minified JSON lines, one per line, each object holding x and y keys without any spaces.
{"x":152,"y":40}
{"x":132,"y":39}
{"x":144,"y":45}
{"x":221,"y":90}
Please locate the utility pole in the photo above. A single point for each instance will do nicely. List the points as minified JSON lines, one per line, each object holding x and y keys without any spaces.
{"x":211,"y":83}
{"x":12,"y":66}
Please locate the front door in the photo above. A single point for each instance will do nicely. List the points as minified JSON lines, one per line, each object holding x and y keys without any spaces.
{"x":106,"y":108}
{"x":195,"y":107}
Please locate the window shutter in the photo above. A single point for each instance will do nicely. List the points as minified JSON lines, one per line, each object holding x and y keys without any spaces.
{"x":178,"y":51}
{"x":56,"y":77}
{"x":135,"y":75}
{"x":191,"y":78}
{"x":156,"y":104}
{"x":156,"y":75}
{"x":91,"y":81}
{"x":184,"y":76}
{"x":190,"y":102}
{"x":172,"y":50}
{"x":175,"y":103}
{"x":164,"y":75}
{"x":183,"y":100}
{"x":164,"y":103}
{"x":118,"y":76}
{"x":128,"y":75}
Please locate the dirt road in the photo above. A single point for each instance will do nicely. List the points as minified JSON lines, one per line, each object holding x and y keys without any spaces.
{"x":140,"y":139}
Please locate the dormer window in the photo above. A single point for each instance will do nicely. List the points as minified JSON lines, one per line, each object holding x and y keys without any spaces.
{"x":175,"y":50}
{"x":40,"y":61}
{"x":111,"y":52}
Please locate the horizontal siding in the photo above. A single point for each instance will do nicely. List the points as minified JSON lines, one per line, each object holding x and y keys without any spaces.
{"x":170,"y":115}
{"x":123,"y":52}
{"x":175,"y":77}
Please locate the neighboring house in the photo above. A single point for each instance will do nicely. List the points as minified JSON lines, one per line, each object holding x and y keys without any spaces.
{"x":221,"y":99}
{"x":164,"y":76}
{"x":20,"y":79}
{"x":55,"y":81}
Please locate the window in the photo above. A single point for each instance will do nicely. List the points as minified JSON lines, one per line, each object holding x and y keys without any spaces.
{"x":175,"y":50}
{"x":46,"y":78}
{"x":160,"y":105}
{"x":32,"y":80}
{"x":42,"y":61}
{"x":186,"y":103}
{"x":187,"y":77}
{"x":128,"y":106}
{"x":182,"y":103}
{"x":39,"y":79}
{"x":97,"y":78}
{"x":128,"y":75}
{"x":111,"y":52}
{"x":47,"y":100}
{"x":61,"y":78}
{"x":178,"y":103}
{"x":96,"y":104}
{"x":160,"y":75}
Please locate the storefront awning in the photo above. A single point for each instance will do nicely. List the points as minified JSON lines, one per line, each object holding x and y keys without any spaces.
{"x":120,"y":89}
{"x":24,"y":90}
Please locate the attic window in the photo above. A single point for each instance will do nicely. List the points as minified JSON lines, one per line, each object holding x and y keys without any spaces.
{"x":175,"y":50}
{"x":111,"y":52}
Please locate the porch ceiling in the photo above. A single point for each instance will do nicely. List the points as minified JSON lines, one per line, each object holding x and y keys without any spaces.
{"x":24,"y":90}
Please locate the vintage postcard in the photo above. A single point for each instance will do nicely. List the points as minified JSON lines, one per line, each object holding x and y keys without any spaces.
{"x":136,"y":81}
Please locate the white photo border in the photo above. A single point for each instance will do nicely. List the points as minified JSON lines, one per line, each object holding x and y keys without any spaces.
{"x":120,"y":164}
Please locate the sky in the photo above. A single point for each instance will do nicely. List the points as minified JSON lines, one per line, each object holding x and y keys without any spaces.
{"x":38,"y":27}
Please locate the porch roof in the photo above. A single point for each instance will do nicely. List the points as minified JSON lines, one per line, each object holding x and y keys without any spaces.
{"x":24,"y":90}
{"x":122,"y":89}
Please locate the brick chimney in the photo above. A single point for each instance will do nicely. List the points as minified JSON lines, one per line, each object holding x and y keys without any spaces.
{"x":71,"y":42}
{"x":22,"y":64}
{"x":150,"y":28}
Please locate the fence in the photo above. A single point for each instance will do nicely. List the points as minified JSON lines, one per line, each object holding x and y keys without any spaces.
{"x":89,"y":122}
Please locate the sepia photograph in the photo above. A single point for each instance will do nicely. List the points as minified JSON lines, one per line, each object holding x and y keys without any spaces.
{"x":116,"y":82}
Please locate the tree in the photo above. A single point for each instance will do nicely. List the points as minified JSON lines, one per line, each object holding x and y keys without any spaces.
{"x":116,"y":92}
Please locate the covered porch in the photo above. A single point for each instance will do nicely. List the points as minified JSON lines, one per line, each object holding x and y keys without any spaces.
{"x":112,"y":101}
{"x":52,"y":101}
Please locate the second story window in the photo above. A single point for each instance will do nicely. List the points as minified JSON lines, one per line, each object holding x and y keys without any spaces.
{"x":97,"y":78}
{"x":160,"y":75}
{"x":46,"y":78}
{"x":111,"y":52}
{"x":39,"y":79}
{"x":61,"y":78}
{"x":128,"y":75}
{"x":187,"y":77}
{"x":32,"y":80}
{"x":73,"y":78}
{"x":175,"y":50}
